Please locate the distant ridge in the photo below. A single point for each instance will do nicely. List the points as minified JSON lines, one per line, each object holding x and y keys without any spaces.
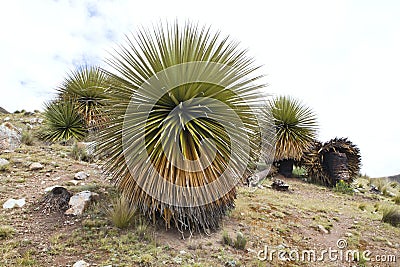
{"x":2,"y":110}
{"x":395,"y":178}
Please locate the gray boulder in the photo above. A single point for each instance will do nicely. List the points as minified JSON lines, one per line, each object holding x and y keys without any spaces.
{"x":4,"y":163}
{"x":10,"y":137}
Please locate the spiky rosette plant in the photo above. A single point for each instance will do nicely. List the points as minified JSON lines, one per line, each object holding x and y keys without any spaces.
{"x":312,"y":162}
{"x":62,"y":122}
{"x":180,"y":122}
{"x":319,"y":166}
{"x":296,"y":127}
{"x":352,"y":152}
{"x":87,"y":87}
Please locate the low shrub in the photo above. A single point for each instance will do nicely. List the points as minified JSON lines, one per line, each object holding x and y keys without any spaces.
{"x":6,"y":231}
{"x":240,"y":242}
{"x":121,"y":212}
{"x":27,"y":138}
{"x":391,"y":214}
{"x":344,"y":188}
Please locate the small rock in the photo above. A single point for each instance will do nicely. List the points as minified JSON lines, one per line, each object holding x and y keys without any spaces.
{"x":231,"y":263}
{"x":280,"y":185}
{"x":12,"y":203}
{"x":177,"y":260}
{"x":182,"y":252}
{"x":356,"y":190}
{"x":36,"y":166}
{"x":348,"y":234}
{"x":375,"y":190}
{"x":81,"y":263}
{"x":4,"y":163}
{"x":81,"y":175}
{"x":80,"y":201}
{"x":35,"y":121}
{"x":72,"y":182}
{"x":322,"y":229}
{"x":6,"y":119}
{"x":48,"y":175}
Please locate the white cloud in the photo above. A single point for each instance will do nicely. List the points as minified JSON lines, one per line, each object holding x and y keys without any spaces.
{"x":341,"y":58}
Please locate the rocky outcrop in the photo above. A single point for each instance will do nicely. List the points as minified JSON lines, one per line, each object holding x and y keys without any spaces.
{"x":10,"y":137}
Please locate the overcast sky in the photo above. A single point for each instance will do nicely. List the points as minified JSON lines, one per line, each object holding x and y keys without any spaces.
{"x":341,"y":58}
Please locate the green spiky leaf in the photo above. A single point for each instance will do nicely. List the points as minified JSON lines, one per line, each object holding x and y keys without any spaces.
{"x":62,"y":122}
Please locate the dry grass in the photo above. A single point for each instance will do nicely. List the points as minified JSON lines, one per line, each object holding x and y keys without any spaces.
{"x":27,"y":138}
{"x":391,"y":214}
{"x":121,"y":212}
{"x":6,"y":231}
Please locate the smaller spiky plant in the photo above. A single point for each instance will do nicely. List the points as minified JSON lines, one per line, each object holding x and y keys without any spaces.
{"x":62,"y":122}
{"x":87,"y":87}
{"x":296,"y":127}
{"x":316,"y":163}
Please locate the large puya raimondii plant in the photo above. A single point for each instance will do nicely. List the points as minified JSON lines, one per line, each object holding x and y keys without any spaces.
{"x":179,"y":124}
{"x":296,"y":128}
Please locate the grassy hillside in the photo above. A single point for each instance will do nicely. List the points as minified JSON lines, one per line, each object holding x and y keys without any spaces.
{"x":306,"y":218}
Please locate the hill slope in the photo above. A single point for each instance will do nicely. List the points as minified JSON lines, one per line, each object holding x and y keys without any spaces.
{"x":3,"y":111}
{"x":306,"y":218}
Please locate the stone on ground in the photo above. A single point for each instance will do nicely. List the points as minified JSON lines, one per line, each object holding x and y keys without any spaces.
{"x":81,"y":263}
{"x":10,"y":138}
{"x":81,"y":175}
{"x":80,"y":201}
{"x":36,"y":166}
{"x":12,"y":203}
{"x":3,"y":163}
